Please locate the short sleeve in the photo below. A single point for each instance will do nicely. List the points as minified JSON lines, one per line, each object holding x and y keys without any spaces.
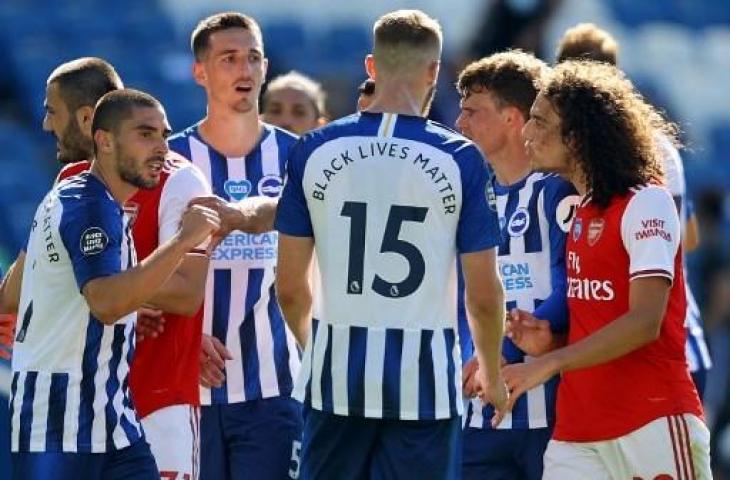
{"x":292,"y":213}
{"x":92,"y":232}
{"x":183,"y":185}
{"x":478,"y":227}
{"x":650,"y":233}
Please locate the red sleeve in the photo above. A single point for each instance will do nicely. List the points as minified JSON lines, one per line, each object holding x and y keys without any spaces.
{"x":72,"y":169}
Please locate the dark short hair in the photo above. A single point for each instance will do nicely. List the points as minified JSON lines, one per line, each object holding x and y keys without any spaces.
{"x":117,"y":106}
{"x":586,"y":41}
{"x":513,"y":77}
{"x":200,"y":38}
{"x":367,"y":87}
{"x":82,"y":82}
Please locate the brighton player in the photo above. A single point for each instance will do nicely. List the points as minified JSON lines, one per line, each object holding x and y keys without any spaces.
{"x":388,"y":200}
{"x":625,"y":395}
{"x":535,"y":210}
{"x":587,"y":41}
{"x":294,"y":102}
{"x":72,"y":90}
{"x":164,"y":375}
{"x":250,"y":425}
{"x":71,"y":411}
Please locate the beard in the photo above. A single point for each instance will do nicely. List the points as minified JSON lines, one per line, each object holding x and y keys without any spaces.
{"x":127,"y":171}
{"x":73,"y":146}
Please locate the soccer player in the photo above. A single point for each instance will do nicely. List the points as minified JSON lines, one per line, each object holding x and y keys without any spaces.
{"x":71,"y":411}
{"x":388,"y":199}
{"x":250,"y":425}
{"x":72,"y":90}
{"x":164,"y":375}
{"x":587,"y":41}
{"x":294,"y":102}
{"x":627,"y":407}
{"x":535,"y":210}
{"x":365,"y":92}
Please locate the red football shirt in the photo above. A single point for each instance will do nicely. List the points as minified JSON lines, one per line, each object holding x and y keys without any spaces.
{"x":636,"y":236}
{"x":165,"y":370}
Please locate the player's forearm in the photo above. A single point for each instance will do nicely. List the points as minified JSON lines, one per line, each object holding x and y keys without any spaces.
{"x":257,"y":214}
{"x":297,"y":309}
{"x":486,"y":321}
{"x":184,"y":291}
{"x":629,"y":332}
{"x":111,"y":298}
{"x":10,"y":288}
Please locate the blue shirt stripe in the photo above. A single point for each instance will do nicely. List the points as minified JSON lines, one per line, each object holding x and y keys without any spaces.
{"x":450,"y":337}
{"x":89,"y":366}
{"x":56,"y":411}
{"x":26,"y":412}
{"x":249,"y":347}
{"x":281,"y":349}
{"x":327,"y":400}
{"x":356,"y":370}
{"x":391,"y":372}
{"x":426,"y":380}
{"x":221,"y":308}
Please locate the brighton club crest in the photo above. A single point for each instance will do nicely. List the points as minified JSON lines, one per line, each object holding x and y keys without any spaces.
{"x":577,"y":228}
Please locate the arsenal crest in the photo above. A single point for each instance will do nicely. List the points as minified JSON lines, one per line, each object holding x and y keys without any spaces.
{"x":595,"y":229}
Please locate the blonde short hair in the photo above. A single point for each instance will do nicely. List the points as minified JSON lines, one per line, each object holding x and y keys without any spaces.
{"x":405,"y":39}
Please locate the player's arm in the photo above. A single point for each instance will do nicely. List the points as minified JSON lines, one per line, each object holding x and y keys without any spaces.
{"x":112,"y":297}
{"x":184,"y":291}
{"x":251,"y":215}
{"x":296,"y":247}
{"x":484,"y":299}
{"x":652,"y":273}
{"x":292,"y":284}
{"x":10,"y":287}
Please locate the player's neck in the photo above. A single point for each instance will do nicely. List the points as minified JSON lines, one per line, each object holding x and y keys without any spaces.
{"x":397,"y":97}
{"x":510,"y":164}
{"x":118,"y":188}
{"x":232,"y":134}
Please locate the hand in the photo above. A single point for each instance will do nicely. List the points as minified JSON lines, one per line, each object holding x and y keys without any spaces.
{"x":231,"y":217}
{"x":150,"y":323}
{"x":7,"y":334}
{"x":521,"y":377}
{"x":495,"y":393}
{"x":197,"y":224}
{"x":213,"y":356}
{"x":531,"y":335}
{"x":470,"y":381}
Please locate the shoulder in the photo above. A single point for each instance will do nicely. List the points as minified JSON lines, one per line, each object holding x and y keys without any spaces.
{"x":84,"y":196}
{"x":180,"y":142}
{"x":649,"y":201}
{"x":72,"y":169}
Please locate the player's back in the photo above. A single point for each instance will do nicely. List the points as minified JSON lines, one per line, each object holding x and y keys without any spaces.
{"x":69,"y":383}
{"x":392,"y":200}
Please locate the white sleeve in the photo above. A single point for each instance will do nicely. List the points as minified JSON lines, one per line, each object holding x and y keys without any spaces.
{"x":650,"y":233}
{"x":183,"y":185}
{"x":673,"y":169}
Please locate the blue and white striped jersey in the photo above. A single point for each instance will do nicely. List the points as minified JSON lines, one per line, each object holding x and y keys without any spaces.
{"x":240,"y":307}
{"x":534,"y":214}
{"x":390,"y":201}
{"x":698,"y":356}
{"x":69,"y":388}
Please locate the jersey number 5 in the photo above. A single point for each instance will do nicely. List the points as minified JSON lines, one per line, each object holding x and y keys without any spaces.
{"x":357,"y":211}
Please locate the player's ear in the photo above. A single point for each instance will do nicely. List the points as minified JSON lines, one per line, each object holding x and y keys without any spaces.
{"x":433,"y":72}
{"x":84,"y":115}
{"x":199,"y":73}
{"x":265,"y":66}
{"x":103,"y":141}
{"x":370,"y":66}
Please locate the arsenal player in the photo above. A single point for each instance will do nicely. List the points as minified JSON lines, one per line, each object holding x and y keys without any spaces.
{"x":627,"y":407}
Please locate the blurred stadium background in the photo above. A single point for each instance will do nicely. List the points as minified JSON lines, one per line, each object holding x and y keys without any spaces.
{"x":676,"y":51}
